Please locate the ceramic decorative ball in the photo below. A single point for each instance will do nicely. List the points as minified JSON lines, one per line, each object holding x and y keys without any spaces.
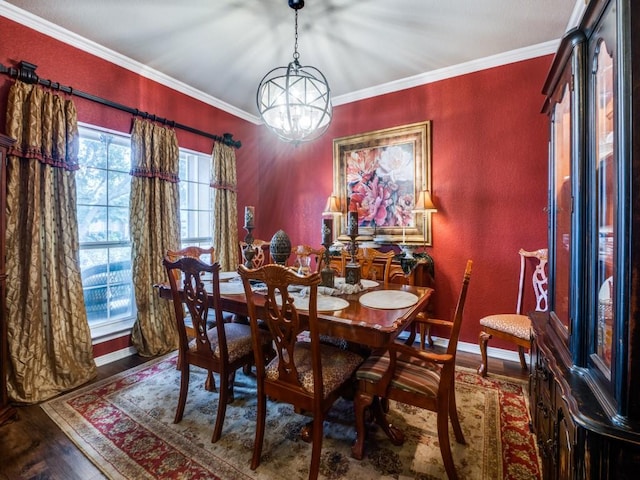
{"x":280,"y":247}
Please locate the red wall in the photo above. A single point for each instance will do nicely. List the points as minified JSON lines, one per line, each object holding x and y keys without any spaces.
{"x":489,"y":179}
{"x":489,"y":150}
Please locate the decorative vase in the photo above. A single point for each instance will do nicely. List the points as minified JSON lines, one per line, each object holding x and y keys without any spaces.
{"x":280,"y":247}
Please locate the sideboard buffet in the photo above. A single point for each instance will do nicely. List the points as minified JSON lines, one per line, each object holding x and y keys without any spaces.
{"x":585,"y":352}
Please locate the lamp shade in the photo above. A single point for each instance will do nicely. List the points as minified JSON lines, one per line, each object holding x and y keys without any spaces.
{"x":424,"y":202}
{"x":332,"y":207}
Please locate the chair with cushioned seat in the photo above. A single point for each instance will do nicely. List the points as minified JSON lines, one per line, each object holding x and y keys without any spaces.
{"x":309,"y":375}
{"x":516,"y":327}
{"x":223,"y":348}
{"x":414,"y":377}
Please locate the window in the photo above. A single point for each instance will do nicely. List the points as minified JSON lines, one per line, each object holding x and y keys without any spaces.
{"x":196,"y":201}
{"x":103,"y":188}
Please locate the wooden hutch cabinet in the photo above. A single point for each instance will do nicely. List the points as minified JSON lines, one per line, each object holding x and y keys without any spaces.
{"x":585,"y":353}
{"x":6,"y":410}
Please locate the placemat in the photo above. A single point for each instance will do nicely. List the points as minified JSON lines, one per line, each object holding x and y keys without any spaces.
{"x":388,"y":299}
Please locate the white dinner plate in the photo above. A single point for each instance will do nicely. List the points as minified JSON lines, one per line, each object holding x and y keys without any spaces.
{"x":388,"y":299}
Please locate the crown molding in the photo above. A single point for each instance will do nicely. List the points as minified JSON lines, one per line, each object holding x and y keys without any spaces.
{"x":472,"y":66}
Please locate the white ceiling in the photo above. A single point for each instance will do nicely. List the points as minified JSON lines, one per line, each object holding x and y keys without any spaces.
{"x":221,"y":49}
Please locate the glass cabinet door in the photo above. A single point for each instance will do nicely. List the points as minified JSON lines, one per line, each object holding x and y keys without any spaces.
{"x":605,"y":192}
{"x":561,"y":202}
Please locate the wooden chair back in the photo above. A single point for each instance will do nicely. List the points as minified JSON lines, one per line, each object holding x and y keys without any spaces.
{"x":315,"y":254}
{"x":539,"y":280}
{"x":207,"y":255}
{"x":191,"y":294}
{"x":307,"y":374}
{"x":262,"y":255}
{"x":366,"y":257}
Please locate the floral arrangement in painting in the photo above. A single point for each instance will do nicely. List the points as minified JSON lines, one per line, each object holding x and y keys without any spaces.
{"x":380,"y":185}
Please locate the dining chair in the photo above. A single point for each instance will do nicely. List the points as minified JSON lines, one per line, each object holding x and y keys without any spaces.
{"x":306,"y":374}
{"x":415,"y":377}
{"x":221,"y":349}
{"x":262,"y":255}
{"x":516,"y":327}
{"x":366,"y":257}
{"x":207,"y":255}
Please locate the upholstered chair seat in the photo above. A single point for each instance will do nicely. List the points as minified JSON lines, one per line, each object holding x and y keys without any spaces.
{"x":412,"y":376}
{"x":511,"y":323}
{"x":337,"y":366}
{"x":239,"y":341}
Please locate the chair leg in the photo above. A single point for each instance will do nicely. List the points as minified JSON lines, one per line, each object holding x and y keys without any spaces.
{"x":316,"y":447}
{"x":453,"y":415}
{"x":523,"y":362}
{"x":260,"y":420}
{"x":360,"y":404}
{"x":483,"y":369}
{"x":184,"y":388}
{"x":223,"y":399}
{"x":210,"y":382}
{"x":443,"y":438}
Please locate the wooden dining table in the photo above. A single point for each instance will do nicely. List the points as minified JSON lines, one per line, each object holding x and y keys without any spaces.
{"x":356,"y":323}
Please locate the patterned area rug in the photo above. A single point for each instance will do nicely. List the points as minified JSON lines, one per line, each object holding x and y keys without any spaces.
{"x":124,"y":424}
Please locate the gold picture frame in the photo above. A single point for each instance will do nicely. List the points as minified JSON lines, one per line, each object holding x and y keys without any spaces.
{"x":382,"y":172}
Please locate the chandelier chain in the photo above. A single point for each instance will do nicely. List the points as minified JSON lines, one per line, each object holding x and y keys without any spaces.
{"x":296,"y":55}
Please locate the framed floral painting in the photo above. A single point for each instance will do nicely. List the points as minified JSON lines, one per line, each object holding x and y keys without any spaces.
{"x":380,"y":174}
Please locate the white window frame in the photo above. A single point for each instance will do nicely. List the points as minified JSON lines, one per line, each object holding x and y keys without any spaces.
{"x":108,"y":330}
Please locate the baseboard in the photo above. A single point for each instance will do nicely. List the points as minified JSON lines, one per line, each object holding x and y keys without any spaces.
{"x":113,"y":356}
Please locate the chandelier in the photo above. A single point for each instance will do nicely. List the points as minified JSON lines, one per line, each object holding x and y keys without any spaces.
{"x":294,"y":101}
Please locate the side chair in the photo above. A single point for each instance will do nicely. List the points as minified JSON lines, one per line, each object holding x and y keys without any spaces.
{"x":223,"y":348}
{"x":262,"y":255}
{"x":366,"y":258}
{"x":415,"y":377}
{"x":207,"y":255}
{"x":516,"y":327}
{"x":306,"y":374}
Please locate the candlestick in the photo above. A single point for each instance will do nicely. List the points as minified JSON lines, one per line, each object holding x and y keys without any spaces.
{"x":249,"y":217}
{"x":327,"y":231}
{"x":353,"y":223}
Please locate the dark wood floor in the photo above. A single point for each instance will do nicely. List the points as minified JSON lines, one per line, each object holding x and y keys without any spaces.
{"x":33,"y":447}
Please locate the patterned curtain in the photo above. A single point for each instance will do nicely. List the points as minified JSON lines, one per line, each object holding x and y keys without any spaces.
{"x":155,"y":227}
{"x":225,"y":206}
{"x":49,"y":339}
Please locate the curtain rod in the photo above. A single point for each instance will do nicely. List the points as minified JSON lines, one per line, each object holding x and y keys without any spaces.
{"x":27,"y":73}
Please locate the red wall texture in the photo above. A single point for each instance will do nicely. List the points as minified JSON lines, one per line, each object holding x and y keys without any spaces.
{"x":489,"y":158}
{"x":489,"y":179}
